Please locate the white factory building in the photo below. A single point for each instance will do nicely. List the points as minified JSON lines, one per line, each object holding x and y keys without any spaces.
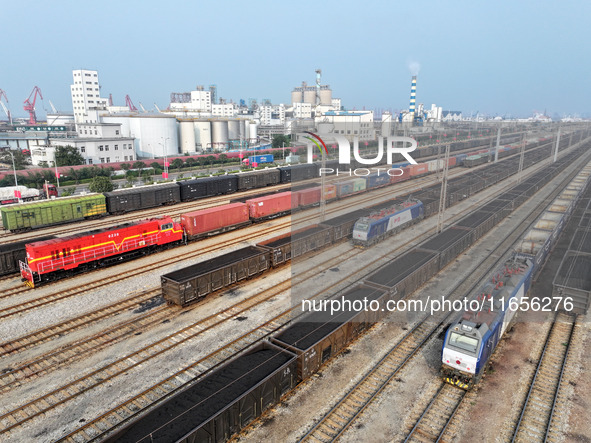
{"x":351,"y":124}
{"x":85,"y":94}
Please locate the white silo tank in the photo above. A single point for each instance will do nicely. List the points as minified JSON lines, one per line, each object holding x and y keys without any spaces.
{"x":296,"y":97}
{"x":233,"y":130}
{"x":310,"y":95}
{"x":252,"y":137}
{"x":242,"y":129}
{"x":219,"y":135}
{"x":202,"y":135}
{"x":326,"y":96}
{"x":187,"y":136}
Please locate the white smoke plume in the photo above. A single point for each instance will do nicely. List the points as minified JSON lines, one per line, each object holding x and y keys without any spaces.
{"x":414,"y":67}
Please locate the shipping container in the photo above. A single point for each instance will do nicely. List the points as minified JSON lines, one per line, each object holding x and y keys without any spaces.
{"x":215,"y":220}
{"x":23,"y":216}
{"x":359,"y":185}
{"x":271,"y":206}
{"x":396,"y":176}
{"x":344,"y":188}
{"x":258,"y":179}
{"x":330,"y":192}
{"x":316,"y":338}
{"x":192,"y":283}
{"x":208,"y":187}
{"x":420,"y":169}
{"x":220,"y":404}
{"x":259,"y":159}
{"x":144,"y":197}
{"x":377,"y":180}
{"x":306,"y":197}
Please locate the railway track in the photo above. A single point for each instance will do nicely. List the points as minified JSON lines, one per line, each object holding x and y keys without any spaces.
{"x":173,"y":211}
{"x":57,"y":397}
{"x":535,"y":420}
{"x":433,"y":422}
{"x":352,"y":404}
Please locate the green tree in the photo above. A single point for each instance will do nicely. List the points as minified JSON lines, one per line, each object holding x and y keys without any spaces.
{"x":155,"y":165}
{"x":43,"y":164}
{"x":139,"y":165}
{"x":279,"y":139}
{"x":125,"y":166}
{"x":191,"y":162}
{"x":20,"y":160}
{"x":223,"y":158}
{"x":68,"y":156}
{"x":177,"y":163}
{"x":100,"y":184}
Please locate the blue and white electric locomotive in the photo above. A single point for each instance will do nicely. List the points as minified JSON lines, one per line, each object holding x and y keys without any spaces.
{"x":374,"y":228}
{"x":471,"y":340}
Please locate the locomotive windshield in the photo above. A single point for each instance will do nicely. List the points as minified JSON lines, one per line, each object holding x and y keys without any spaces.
{"x":166,"y":226}
{"x":463,"y":342}
{"x":361,"y":226}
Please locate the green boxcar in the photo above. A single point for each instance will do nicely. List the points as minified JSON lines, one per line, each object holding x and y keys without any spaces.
{"x":52,"y":212}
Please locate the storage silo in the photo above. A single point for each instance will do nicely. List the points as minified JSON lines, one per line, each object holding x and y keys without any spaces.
{"x":202,"y":135}
{"x":253,"y":136}
{"x":233,"y":130}
{"x":187,"y":136}
{"x":325,"y":96}
{"x":297,"y":96}
{"x":242,"y":129}
{"x":219,"y":135}
{"x":310,"y":95}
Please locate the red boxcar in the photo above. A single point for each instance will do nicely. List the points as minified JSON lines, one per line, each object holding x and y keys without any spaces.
{"x":215,"y":220}
{"x":269,"y":206}
{"x":452,"y":162}
{"x":307,"y":197}
{"x":47,"y":259}
{"x":420,"y":169}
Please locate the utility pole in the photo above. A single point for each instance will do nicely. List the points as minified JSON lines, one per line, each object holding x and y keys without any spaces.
{"x":322,"y":191}
{"x":520,"y":170}
{"x":443,"y":193}
{"x":498,"y":144}
{"x":557,"y":143}
{"x":437,"y":175}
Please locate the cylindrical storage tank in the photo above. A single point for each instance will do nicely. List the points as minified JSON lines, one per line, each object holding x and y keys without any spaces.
{"x":247,"y":130}
{"x":253,"y":136}
{"x":326,"y":96}
{"x":219,"y":135}
{"x":187,"y":137}
{"x":233,"y":130}
{"x":310,"y":95}
{"x":296,"y":97}
{"x":386,"y":128}
{"x":242,"y":129}
{"x":202,"y":135}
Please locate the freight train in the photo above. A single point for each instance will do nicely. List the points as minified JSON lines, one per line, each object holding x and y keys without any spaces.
{"x":472,"y":339}
{"x":211,"y":221}
{"x":27,"y":216}
{"x":253,"y":381}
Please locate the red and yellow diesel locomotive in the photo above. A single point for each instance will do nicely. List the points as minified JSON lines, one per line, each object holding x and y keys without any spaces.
{"x":51,"y":259}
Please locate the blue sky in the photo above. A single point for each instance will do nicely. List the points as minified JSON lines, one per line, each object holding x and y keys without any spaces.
{"x":498,"y":57}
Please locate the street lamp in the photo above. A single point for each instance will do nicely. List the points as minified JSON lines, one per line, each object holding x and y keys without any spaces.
{"x":16,"y":191}
{"x":165,"y":173}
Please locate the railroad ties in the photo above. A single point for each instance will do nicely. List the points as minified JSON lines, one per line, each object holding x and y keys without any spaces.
{"x":434,"y":420}
{"x":535,"y":421}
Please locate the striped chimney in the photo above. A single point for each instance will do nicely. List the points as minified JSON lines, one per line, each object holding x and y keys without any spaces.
{"x":413,"y":94}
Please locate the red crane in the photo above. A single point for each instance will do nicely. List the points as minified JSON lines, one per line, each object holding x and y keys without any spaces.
{"x":30,"y":107}
{"x":129,"y":103}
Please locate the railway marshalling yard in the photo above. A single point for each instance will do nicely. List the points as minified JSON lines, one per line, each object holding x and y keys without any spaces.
{"x":87,"y":350}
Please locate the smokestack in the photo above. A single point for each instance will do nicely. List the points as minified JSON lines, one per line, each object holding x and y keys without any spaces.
{"x":413,"y":95}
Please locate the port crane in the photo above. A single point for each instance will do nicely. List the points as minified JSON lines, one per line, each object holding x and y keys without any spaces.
{"x":30,"y":106}
{"x":6,"y":110}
